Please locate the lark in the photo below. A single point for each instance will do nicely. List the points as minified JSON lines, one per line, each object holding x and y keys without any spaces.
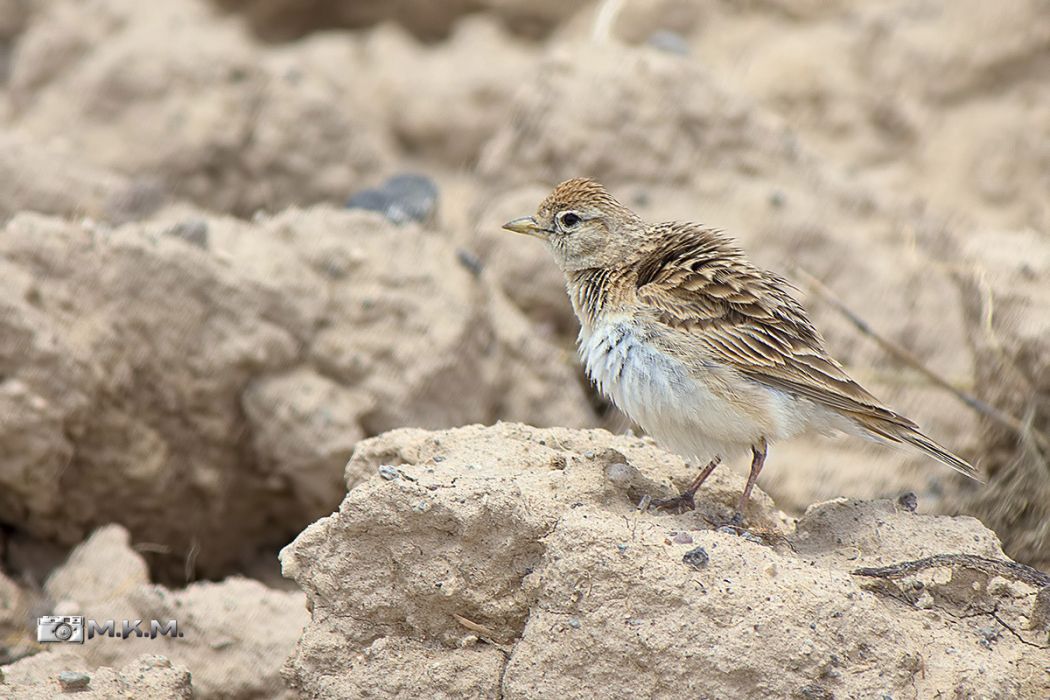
{"x":709,"y":354}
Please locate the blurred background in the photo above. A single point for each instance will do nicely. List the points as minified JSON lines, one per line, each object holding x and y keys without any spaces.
{"x":239,"y":236}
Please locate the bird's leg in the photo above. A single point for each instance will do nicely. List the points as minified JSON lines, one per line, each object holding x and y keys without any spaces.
{"x":686,"y":497}
{"x":757,"y":460}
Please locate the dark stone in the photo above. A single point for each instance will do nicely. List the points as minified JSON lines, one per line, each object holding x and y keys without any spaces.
{"x":72,"y":681}
{"x":193,"y":231}
{"x":402,"y":198}
{"x":696,"y":558}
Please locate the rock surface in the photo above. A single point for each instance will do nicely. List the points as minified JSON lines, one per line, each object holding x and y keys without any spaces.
{"x":146,"y":375}
{"x":15,"y":619}
{"x":201,"y":381}
{"x":233,"y":129}
{"x":47,"y":676}
{"x":35,"y":179}
{"x":283,"y":19}
{"x":235,"y":633}
{"x":506,"y":559}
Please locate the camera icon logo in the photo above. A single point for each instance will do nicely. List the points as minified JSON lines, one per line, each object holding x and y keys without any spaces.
{"x":60,"y":628}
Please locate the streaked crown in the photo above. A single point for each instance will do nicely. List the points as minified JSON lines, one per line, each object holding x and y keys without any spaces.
{"x":579,"y":193}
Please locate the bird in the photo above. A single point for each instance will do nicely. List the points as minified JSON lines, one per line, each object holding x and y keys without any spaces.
{"x":711,"y":355}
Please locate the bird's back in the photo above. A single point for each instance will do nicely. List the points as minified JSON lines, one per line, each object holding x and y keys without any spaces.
{"x":690,"y":296}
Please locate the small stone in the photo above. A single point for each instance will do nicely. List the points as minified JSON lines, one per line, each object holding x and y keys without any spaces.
{"x":816,"y":692}
{"x":696,"y":558}
{"x":989,"y":634}
{"x":751,"y":537}
{"x":474,"y":265}
{"x":156,"y":662}
{"x":908,"y":501}
{"x":683,"y":538}
{"x":193,"y":231}
{"x":668,"y":41}
{"x":574,"y":622}
{"x":619,"y":473}
{"x":402,"y":198}
{"x":739,"y":532}
{"x":72,"y":681}
{"x":388,"y":472}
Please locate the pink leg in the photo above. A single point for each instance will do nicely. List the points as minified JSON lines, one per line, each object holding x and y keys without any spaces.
{"x":758,"y":459}
{"x":686,"y":497}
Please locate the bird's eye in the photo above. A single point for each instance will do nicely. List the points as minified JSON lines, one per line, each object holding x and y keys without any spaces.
{"x":569,"y":219}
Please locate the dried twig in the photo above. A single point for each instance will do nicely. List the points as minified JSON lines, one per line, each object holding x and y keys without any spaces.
{"x":992,"y":567}
{"x":484,"y":633}
{"x":480,"y":629}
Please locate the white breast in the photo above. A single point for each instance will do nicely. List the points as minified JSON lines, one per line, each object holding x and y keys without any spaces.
{"x":684,"y":411}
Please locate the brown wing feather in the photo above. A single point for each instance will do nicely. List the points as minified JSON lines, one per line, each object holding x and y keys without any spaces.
{"x":697,"y":281}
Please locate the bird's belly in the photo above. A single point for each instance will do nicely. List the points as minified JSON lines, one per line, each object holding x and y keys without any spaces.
{"x":694,"y":411}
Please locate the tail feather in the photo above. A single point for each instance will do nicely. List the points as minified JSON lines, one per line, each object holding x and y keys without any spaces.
{"x":911,"y":436}
{"x":934,"y":450}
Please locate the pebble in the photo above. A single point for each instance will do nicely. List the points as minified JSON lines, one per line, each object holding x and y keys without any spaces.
{"x":696,"y":558}
{"x":73,"y":680}
{"x":473,"y":264}
{"x":619,"y":473}
{"x":730,"y":530}
{"x":908,"y":501}
{"x":193,"y":231}
{"x":682,"y":538}
{"x":388,"y":472}
{"x":402,"y":198}
{"x":668,"y":41}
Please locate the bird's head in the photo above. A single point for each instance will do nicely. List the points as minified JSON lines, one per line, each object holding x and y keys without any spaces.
{"x":583,"y":225}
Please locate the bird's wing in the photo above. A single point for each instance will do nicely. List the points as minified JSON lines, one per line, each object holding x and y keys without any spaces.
{"x":696,"y":281}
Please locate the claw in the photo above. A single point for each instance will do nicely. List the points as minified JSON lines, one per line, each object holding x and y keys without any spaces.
{"x":683,"y":499}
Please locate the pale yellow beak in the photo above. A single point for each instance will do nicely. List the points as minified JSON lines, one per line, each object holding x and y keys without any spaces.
{"x":526,"y":225}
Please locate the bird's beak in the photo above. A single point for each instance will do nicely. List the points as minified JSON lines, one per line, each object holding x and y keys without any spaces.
{"x":526,"y":225}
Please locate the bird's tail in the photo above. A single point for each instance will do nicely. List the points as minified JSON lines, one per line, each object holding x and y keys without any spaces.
{"x":930,"y":447}
{"x":910,"y":435}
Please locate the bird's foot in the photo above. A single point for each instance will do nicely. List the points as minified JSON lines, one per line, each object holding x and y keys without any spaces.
{"x":682,"y":502}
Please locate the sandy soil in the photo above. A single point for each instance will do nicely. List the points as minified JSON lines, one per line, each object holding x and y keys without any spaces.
{"x":196,"y":336}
